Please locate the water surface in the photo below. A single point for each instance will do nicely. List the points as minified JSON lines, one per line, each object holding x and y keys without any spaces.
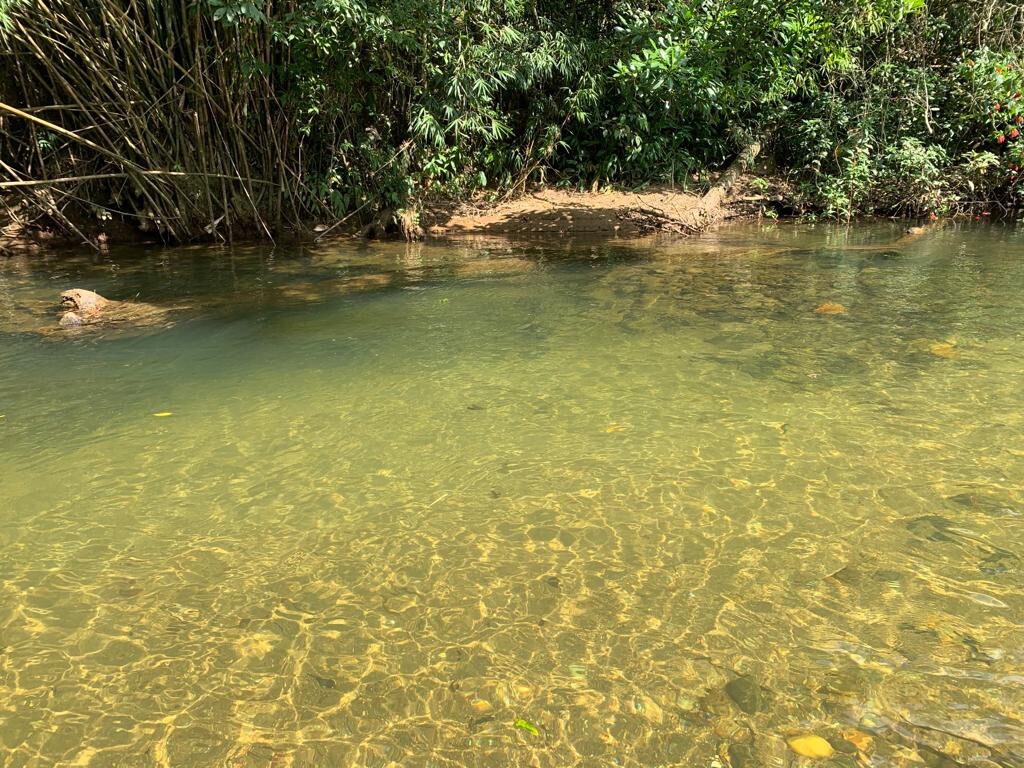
{"x":639,"y":497}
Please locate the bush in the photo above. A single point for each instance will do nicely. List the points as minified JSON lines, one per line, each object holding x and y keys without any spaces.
{"x":242,"y":114}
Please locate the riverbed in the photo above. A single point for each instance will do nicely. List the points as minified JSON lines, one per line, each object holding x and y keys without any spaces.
{"x":486,"y":503}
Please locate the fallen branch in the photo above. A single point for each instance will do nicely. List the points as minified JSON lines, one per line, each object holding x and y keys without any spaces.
{"x":649,"y":219}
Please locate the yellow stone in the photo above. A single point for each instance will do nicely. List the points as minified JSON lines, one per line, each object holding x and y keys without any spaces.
{"x":810,"y":746}
{"x":482,"y":706}
{"x":859,"y":739}
{"x":943,"y":349}
{"x":830,"y":308}
{"x":162,"y":414}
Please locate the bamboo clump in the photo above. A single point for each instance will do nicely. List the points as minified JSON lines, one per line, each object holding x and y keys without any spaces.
{"x":155,"y":107}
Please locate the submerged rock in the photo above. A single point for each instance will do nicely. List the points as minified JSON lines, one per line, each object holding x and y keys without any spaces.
{"x":84,"y":308}
{"x":830,"y":308}
{"x":71,"y":320}
{"x":743,"y":756}
{"x":85,"y":303}
{"x":750,"y":697}
{"x":811,"y":746}
{"x":945,"y":349}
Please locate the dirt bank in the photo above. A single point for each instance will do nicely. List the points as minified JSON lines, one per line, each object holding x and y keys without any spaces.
{"x":566,"y":212}
{"x":625,"y":214}
{"x":611,"y":212}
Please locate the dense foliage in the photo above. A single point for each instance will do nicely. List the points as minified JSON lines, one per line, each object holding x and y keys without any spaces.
{"x":201,"y":115}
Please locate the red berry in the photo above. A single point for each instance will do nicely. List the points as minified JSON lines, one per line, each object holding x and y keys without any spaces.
{"x":997,"y":106}
{"x":1019,"y":119}
{"x":1014,"y":133}
{"x":1000,"y":139}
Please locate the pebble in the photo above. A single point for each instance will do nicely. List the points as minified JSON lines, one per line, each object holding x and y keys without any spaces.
{"x":943,"y":349}
{"x":810,"y":746}
{"x":743,"y":756}
{"x":830,"y":308}
{"x":862,"y":741}
{"x":686,"y":703}
{"x":747,"y":695}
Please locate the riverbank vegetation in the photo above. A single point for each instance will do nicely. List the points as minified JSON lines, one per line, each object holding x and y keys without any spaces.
{"x":211,"y":118}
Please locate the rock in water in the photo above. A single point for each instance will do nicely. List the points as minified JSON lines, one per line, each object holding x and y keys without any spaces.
{"x":743,"y":756}
{"x":747,"y":695}
{"x":70,"y":320}
{"x":830,"y":308}
{"x":85,"y":303}
{"x":810,"y":746}
{"x":86,"y":308}
{"x":944,"y":349}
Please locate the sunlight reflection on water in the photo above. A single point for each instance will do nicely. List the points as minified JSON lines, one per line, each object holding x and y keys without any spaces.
{"x":640,"y":497}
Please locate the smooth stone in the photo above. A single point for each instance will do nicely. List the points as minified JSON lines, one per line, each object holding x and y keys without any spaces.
{"x":70,"y":320}
{"x":811,"y":746}
{"x":743,"y":756}
{"x":747,"y":695}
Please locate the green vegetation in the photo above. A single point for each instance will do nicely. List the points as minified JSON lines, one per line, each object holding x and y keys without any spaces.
{"x":210,"y":117}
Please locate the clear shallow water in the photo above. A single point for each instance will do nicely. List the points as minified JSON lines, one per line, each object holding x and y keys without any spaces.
{"x":640,"y":496}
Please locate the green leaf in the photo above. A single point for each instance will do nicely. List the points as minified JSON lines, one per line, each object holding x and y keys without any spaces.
{"x":526,"y":725}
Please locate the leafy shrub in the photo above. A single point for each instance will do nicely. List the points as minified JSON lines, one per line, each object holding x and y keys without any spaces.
{"x":310,"y":108}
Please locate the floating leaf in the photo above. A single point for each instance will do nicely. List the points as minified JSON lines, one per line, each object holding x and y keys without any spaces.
{"x":810,"y":746}
{"x":161,"y":414}
{"x":526,"y":725}
{"x":616,"y":428}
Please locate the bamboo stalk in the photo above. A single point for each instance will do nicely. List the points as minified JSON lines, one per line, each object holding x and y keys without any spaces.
{"x":126,"y":175}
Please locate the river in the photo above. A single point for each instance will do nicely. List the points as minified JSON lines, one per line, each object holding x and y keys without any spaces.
{"x":480,"y":503}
